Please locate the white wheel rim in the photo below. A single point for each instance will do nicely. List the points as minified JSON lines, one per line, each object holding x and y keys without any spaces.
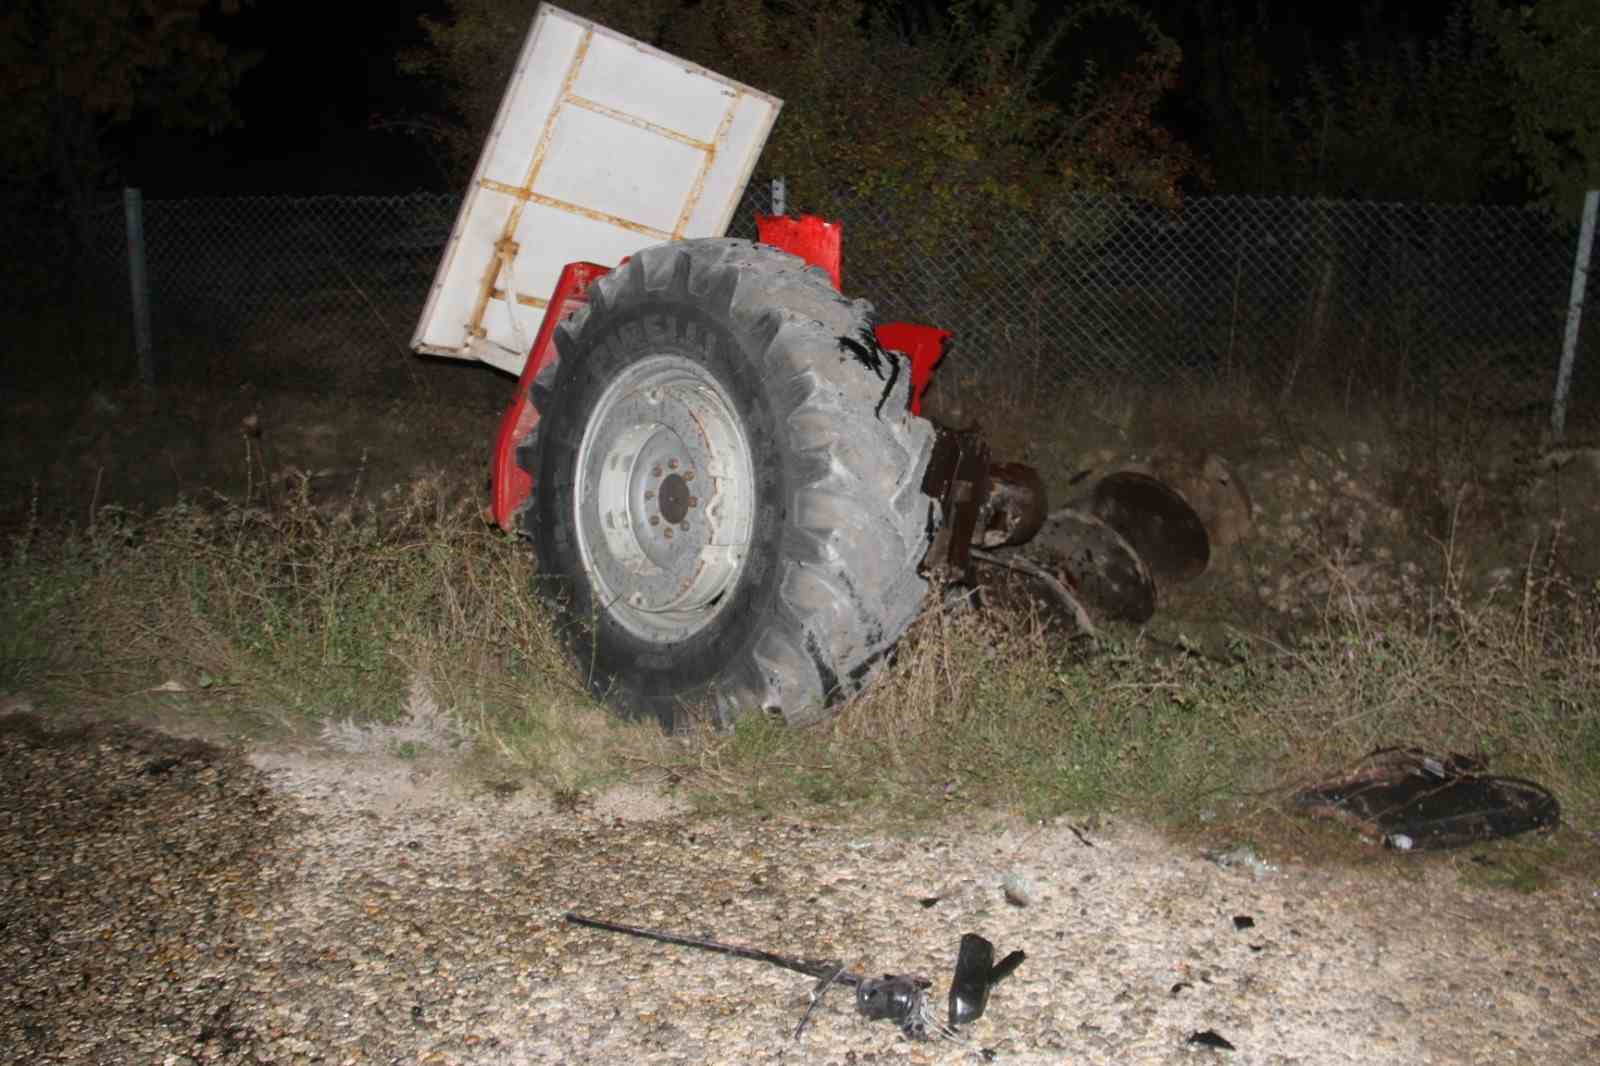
{"x":665,"y":498}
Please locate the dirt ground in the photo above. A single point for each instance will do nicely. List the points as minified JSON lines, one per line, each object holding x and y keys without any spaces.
{"x":69,"y":453}
{"x":175,"y":901}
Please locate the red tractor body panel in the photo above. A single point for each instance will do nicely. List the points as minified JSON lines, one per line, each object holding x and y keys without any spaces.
{"x":509,"y":484}
{"x":924,"y":345}
{"x":816,"y":240}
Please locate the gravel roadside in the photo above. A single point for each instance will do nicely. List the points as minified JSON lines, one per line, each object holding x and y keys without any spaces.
{"x":167,"y":901}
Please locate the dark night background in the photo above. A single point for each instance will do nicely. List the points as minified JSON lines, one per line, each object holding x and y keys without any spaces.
{"x":309,"y":110}
{"x":313,"y":109}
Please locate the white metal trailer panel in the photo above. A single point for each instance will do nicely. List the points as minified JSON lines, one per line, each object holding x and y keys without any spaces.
{"x":602,"y":146}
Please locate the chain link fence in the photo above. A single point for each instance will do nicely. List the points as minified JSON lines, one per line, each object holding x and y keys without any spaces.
{"x":1290,"y":293}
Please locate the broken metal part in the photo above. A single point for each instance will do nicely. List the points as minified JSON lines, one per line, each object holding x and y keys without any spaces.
{"x":810,"y":967}
{"x":898,"y":998}
{"x":983,"y":504}
{"x":892,"y":997}
{"x":1014,"y":508}
{"x":976,"y":974}
{"x":1415,"y":801}
{"x":1058,"y":588}
{"x":821,"y":989}
{"x":958,"y":477}
{"x":1159,"y":523}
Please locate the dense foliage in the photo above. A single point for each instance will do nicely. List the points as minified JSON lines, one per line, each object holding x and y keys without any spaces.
{"x":75,"y":73}
{"x":1551,"y":52}
{"x":1497,"y":102}
{"x":944,"y":113}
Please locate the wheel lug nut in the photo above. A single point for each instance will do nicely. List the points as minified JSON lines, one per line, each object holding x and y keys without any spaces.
{"x":688,"y":475}
{"x":655,"y":471}
{"x":649,"y":494}
{"x":667,"y":532}
{"x":655,"y":520}
{"x":672,"y":464}
{"x":694,"y":501}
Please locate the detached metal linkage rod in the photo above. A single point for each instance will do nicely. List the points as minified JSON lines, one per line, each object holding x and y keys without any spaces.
{"x":893,"y":997}
{"x":832,"y":971}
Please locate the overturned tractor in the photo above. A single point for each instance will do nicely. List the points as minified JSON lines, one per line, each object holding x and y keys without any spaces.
{"x":721,"y":461}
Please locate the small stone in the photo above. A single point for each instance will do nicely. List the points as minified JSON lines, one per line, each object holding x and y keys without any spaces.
{"x":1019,"y":890}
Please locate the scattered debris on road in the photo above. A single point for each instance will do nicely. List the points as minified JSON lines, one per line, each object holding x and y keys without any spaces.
{"x":1412,"y":801}
{"x":900,"y":998}
{"x":1210,"y":1038}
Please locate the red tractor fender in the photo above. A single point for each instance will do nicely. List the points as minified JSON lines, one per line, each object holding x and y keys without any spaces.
{"x":509,"y":484}
{"x":923,"y":345}
{"x":816,"y":240}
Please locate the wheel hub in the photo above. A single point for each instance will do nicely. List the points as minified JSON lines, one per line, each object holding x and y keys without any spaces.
{"x":665,"y":497}
{"x":674,"y":498}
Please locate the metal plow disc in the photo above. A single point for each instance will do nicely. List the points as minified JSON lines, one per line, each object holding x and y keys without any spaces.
{"x":1160,"y":525}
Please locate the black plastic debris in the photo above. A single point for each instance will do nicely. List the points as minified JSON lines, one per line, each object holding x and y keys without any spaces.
{"x":976,"y":974}
{"x":892,"y":997}
{"x":1210,"y":1038}
{"x":898,"y":998}
{"x":1243,"y":921}
{"x":1414,"y":801}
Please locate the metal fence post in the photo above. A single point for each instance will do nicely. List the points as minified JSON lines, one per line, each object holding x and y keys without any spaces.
{"x":780,"y":196}
{"x":1580,"y":286}
{"x":138,"y":283}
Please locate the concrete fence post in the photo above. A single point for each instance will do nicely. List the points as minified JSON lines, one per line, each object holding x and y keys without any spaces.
{"x":1580,"y":286}
{"x":139,"y":283}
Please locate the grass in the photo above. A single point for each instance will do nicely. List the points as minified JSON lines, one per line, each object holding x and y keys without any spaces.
{"x":282,"y":616}
{"x":279,"y":612}
{"x":984,"y":712}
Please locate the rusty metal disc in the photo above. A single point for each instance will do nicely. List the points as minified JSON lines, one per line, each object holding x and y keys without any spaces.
{"x":1102,"y":568}
{"x":1159,"y":523}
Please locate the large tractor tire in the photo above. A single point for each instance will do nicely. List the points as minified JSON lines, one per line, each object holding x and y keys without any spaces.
{"x":727,"y":508}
